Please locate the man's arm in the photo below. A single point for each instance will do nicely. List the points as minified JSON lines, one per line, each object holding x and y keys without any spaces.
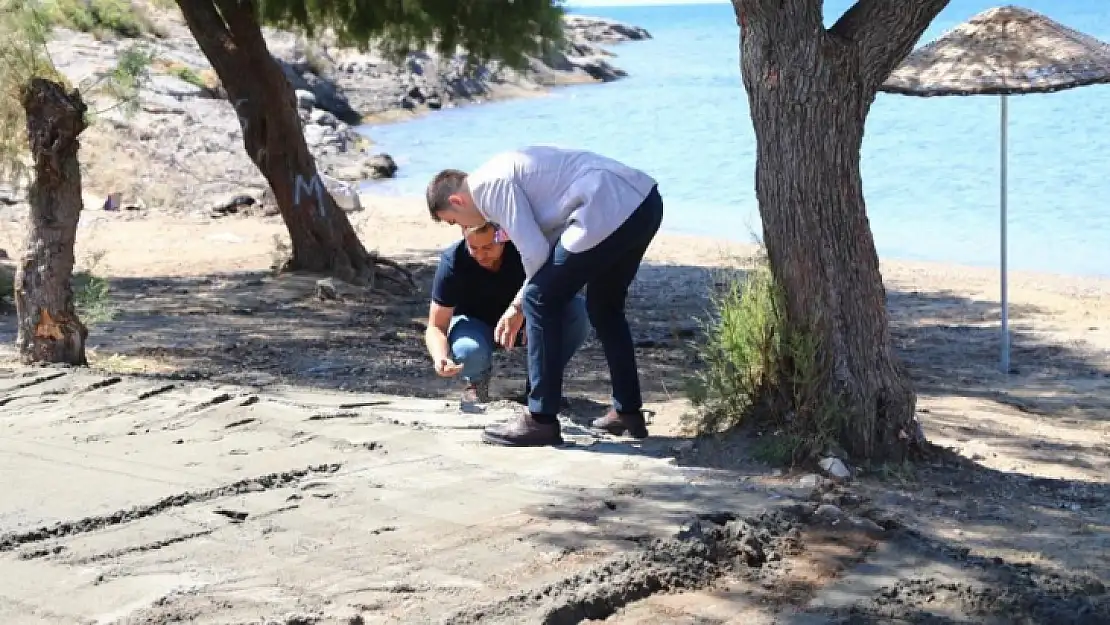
{"x":435,"y":337}
{"x":506,"y":205}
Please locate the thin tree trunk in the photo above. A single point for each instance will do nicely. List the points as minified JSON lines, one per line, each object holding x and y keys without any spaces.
{"x":809,"y":92}
{"x":322,"y":238}
{"x":49,"y":329}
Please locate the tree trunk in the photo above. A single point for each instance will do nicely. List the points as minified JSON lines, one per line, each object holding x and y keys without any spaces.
{"x":809,"y":92}
{"x":49,"y":329}
{"x":322,"y":238}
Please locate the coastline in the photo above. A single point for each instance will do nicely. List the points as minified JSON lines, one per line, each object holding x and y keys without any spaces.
{"x":182,"y":152}
{"x":398,"y":226}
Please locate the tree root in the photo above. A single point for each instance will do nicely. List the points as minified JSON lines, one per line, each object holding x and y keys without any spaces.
{"x":408,"y":281}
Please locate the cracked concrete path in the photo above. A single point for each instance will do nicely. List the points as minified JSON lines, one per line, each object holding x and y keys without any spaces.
{"x":137,"y":500}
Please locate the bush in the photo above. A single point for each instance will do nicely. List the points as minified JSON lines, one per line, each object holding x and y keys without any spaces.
{"x":102,"y":18}
{"x":92,"y":298}
{"x":757,"y":371}
{"x":187,"y":74}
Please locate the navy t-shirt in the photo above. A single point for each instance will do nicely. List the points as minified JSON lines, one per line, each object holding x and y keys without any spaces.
{"x":472,"y":290}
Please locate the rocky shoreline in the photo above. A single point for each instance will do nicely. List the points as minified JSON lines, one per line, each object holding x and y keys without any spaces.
{"x":182,"y":150}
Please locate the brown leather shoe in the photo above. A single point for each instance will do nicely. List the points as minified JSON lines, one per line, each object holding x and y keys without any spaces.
{"x":523,"y":431}
{"x":619,"y":424}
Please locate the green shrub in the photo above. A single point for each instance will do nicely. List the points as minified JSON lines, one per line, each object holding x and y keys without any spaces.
{"x":188,"y":75}
{"x":102,"y":18}
{"x":757,"y":371}
{"x":91,"y":296}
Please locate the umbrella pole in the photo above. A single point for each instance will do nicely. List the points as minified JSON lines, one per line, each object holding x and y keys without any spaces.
{"x":1004,"y":122}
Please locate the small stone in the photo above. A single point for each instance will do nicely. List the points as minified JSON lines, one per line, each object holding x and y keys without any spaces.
{"x":305,"y":99}
{"x":323,"y":118}
{"x":231,"y":205}
{"x":836,"y":468}
{"x":325,"y":289}
{"x":829,"y":512}
{"x":810,"y":481}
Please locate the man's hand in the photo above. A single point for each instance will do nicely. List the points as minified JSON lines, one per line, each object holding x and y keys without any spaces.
{"x":447,"y":368}
{"x":508,"y":327}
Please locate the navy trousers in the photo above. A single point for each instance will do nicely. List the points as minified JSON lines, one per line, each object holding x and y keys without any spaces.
{"x":606,"y":270}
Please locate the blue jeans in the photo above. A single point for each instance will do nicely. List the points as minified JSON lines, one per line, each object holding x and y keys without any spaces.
{"x":606,"y":270}
{"x":472,"y":343}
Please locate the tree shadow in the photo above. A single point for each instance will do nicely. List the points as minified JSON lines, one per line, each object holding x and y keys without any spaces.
{"x":1035,"y":489}
{"x":258,"y":329}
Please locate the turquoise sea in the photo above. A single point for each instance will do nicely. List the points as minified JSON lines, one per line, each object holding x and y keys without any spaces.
{"x":930,"y":165}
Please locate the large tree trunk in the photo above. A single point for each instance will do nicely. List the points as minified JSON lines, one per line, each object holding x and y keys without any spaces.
{"x":322,"y":238}
{"x":49,"y":329}
{"x":809,"y":91}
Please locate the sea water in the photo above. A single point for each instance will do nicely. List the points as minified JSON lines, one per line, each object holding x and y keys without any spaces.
{"x":930,"y":165}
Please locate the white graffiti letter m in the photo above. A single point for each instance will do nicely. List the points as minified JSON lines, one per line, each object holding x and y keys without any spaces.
{"x":315,"y":188}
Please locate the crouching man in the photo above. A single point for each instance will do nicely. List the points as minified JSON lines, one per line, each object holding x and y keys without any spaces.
{"x":476,"y":280}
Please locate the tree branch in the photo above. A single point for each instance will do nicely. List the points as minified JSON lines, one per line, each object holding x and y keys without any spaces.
{"x":883,"y":32}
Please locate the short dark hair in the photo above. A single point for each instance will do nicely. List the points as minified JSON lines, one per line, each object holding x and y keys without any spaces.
{"x":486,"y":227}
{"x":445,"y":184}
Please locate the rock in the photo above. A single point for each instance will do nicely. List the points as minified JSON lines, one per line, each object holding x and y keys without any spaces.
{"x":327,"y":94}
{"x":600,"y":29}
{"x":231,"y":205}
{"x":325,"y":289}
{"x":137,"y":205}
{"x":345,"y":195}
{"x":599,"y":69}
{"x":317,"y":136}
{"x":306,"y":100}
{"x":836,"y":468}
{"x":321,"y":117}
{"x":381,"y":166}
{"x":434,"y":102}
{"x":8,"y":197}
{"x":829,"y":513}
{"x":810,"y":481}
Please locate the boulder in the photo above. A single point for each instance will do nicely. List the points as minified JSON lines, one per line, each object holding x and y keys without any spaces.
{"x":321,"y":117}
{"x":599,"y":69}
{"x":380,"y":166}
{"x":327,"y":95}
{"x":604,"y":30}
{"x":231,"y":204}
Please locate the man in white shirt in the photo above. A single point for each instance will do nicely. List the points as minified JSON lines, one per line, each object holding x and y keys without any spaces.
{"x":578,"y":219}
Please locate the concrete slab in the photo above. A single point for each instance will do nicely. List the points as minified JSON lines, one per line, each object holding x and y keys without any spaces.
{"x":145,"y":500}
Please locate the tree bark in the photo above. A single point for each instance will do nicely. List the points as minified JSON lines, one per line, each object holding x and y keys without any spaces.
{"x":322,"y":238}
{"x":809,"y":91}
{"x":49,"y":328}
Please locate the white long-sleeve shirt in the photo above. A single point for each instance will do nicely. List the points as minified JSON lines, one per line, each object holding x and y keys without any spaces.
{"x":544,"y":195}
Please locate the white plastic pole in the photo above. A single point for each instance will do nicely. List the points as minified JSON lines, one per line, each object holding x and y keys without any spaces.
{"x":1004,"y":113}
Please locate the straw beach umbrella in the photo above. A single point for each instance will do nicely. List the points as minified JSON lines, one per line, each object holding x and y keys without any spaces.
{"x":1003,"y":51}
